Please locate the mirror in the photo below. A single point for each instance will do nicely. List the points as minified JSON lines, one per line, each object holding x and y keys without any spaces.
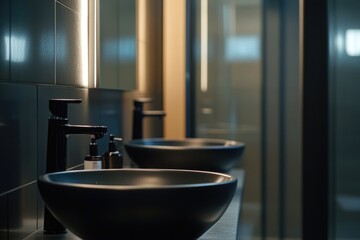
{"x":113,"y":43}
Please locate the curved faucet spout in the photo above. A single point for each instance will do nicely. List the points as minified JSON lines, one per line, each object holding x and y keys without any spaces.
{"x":97,"y":131}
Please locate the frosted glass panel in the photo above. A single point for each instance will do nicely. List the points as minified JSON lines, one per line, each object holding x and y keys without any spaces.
{"x":345,"y":119}
{"x":228,"y":87}
{"x":230,"y":106}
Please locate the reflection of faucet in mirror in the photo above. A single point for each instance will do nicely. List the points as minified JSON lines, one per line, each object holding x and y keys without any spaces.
{"x":140,"y":113}
{"x":58,"y":131}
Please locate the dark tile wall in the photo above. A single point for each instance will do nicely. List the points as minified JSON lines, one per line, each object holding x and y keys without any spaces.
{"x":68,"y":47}
{"x":40,"y":67}
{"x":22,"y":211}
{"x":3,"y":218}
{"x":18,"y":173}
{"x":32,"y":41}
{"x":4,"y":39}
{"x":18,"y":131}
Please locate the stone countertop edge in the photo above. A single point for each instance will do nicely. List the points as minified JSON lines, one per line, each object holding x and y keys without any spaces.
{"x":225,"y":228}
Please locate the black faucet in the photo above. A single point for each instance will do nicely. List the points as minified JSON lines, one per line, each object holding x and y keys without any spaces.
{"x":58,"y":131}
{"x":140,"y":113}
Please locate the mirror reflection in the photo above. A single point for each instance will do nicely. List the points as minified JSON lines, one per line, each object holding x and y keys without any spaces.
{"x":114,"y":43}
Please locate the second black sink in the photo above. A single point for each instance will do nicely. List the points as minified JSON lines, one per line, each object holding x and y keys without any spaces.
{"x":191,"y":153}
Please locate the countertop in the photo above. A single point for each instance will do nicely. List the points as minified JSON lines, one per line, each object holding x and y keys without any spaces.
{"x":224,"y":229}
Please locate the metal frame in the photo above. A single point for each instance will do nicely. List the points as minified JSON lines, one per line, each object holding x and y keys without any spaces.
{"x":315,"y":121}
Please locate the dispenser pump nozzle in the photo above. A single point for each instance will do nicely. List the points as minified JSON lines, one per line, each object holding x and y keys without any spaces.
{"x":93,"y":160}
{"x":113,"y":158}
{"x":93,"y":148}
{"x":112,"y":146}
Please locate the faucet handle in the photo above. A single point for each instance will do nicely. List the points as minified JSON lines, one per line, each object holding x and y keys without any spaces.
{"x":59,"y":107}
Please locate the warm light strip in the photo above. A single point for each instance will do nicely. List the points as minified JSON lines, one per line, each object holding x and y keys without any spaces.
{"x":204,"y":45}
{"x":95,"y":43}
{"x":84,"y":42}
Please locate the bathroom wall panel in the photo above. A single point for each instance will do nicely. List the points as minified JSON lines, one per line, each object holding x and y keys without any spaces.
{"x":18,"y":131}
{"x":3,"y":217}
{"x":4,"y":40}
{"x":68,"y":47}
{"x":32,"y":41}
{"x":74,"y":5}
{"x":22,"y":207}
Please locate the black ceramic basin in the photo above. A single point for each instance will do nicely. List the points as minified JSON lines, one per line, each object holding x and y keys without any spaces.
{"x":190,"y":153}
{"x":137,"y":203}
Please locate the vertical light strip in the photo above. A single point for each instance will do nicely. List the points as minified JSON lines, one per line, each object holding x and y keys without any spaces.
{"x":142,"y":45}
{"x":55,"y":42}
{"x":93,"y":40}
{"x":204,"y":45}
{"x":84,"y":42}
{"x":95,"y":66}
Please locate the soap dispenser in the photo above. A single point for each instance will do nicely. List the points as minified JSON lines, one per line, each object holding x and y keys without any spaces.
{"x":93,"y":160}
{"x":113,"y":158}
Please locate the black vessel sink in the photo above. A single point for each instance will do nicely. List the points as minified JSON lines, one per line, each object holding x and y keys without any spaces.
{"x":190,"y":153}
{"x":137,"y":203}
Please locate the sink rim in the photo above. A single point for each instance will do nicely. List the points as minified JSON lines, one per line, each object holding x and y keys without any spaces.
{"x":218,"y":143}
{"x":204,"y":154}
{"x":46,"y":178}
{"x":92,"y":213}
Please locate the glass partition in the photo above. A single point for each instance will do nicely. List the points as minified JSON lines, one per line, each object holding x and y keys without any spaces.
{"x":344,"y":118}
{"x":227,"y":70}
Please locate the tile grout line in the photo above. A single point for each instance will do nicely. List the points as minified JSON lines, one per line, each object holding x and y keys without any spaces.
{"x":17,"y":188}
